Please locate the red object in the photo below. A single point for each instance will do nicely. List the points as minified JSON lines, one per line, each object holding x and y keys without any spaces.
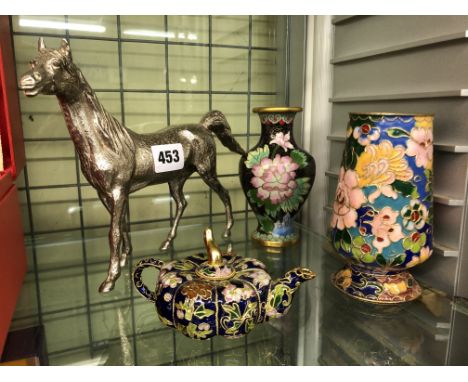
{"x":12,"y":259}
{"x":10,"y":118}
{"x":12,"y":250}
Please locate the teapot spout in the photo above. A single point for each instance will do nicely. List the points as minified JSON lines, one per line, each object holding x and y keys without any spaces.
{"x":282,"y":291}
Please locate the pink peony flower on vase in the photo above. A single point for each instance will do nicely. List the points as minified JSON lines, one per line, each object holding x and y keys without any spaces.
{"x":420,"y":145}
{"x":274,"y":179}
{"x":385,"y":228}
{"x":282,"y":140}
{"x":349,"y":197}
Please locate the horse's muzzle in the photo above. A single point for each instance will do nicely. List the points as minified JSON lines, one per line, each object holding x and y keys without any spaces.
{"x":29,"y":85}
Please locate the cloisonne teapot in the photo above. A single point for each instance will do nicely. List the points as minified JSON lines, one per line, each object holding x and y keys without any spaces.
{"x":223,"y":295}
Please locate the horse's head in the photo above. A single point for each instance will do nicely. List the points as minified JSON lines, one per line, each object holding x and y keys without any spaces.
{"x":51,"y":71}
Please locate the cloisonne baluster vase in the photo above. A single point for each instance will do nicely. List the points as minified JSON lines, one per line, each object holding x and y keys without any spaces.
{"x":382,"y":212}
{"x":276,"y":176}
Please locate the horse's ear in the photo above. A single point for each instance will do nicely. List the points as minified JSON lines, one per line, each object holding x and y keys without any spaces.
{"x":41,"y":44}
{"x":65,"y":47}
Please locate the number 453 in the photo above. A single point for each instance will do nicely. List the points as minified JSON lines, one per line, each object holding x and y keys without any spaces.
{"x":168,"y":156}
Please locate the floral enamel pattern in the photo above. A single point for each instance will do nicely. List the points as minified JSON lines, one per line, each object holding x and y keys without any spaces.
{"x":277,"y":177}
{"x":382,"y":212}
{"x":275,"y":180}
{"x":366,"y":133}
{"x":283,"y":140}
{"x":277,"y":118}
{"x":391,"y":287}
{"x":201,"y":307}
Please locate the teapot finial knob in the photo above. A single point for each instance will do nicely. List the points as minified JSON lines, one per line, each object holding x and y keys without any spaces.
{"x":214,"y":254}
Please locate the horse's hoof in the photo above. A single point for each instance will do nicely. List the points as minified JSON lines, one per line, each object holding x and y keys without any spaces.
{"x":106,"y":286}
{"x":165,"y":246}
{"x":226,"y":234}
{"x":123,"y":261}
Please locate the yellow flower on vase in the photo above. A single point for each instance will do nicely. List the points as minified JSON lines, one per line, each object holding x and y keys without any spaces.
{"x":423,"y":122}
{"x":395,"y":288}
{"x":424,"y":254}
{"x":380,"y":165}
{"x":343,"y":278}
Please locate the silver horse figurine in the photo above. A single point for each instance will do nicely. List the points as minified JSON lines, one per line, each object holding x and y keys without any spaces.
{"x":117,"y":161}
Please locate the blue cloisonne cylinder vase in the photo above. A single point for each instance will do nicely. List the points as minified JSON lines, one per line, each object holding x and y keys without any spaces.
{"x":382,"y":212}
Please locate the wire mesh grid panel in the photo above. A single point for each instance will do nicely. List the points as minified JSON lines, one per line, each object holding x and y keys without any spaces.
{"x":148,"y":72}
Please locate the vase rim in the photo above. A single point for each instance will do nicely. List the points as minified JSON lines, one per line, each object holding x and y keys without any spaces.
{"x":392,"y":114}
{"x":277,"y":109}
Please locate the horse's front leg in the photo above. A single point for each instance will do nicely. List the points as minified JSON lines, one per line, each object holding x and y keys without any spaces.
{"x":127,"y":243}
{"x":117,"y":205}
{"x":176,"y":188}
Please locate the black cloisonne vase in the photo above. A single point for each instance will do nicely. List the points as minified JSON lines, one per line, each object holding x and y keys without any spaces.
{"x":276,"y":176}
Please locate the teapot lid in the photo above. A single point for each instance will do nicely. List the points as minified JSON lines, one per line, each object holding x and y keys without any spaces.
{"x":215,"y":268}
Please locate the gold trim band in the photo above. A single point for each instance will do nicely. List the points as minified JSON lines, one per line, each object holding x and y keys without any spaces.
{"x":215,"y":278}
{"x":275,"y":244}
{"x":383,"y":114}
{"x":277,"y":109}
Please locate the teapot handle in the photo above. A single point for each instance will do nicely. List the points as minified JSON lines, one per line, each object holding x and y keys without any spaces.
{"x":141,"y":287}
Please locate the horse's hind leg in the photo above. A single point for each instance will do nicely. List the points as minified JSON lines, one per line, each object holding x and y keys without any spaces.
{"x":209,"y":177}
{"x":117,"y":205}
{"x":127,"y":243}
{"x":176,"y":187}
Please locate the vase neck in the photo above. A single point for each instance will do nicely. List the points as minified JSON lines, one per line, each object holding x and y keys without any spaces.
{"x":274,"y":123}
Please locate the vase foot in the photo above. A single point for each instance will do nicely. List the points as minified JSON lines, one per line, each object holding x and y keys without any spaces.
{"x":272,"y":241}
{"x":378,"y":288}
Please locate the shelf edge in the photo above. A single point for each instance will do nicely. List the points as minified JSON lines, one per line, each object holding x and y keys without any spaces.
{"x":402,"y":96}
{"x":399,"y":47}
{"x":336,"y":20}
{"x":448,"y":201}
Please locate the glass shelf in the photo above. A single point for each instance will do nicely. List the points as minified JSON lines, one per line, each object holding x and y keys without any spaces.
{"x":323,"y":327}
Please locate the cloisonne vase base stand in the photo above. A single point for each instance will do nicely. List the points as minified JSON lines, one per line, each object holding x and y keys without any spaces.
{"x":384,"y":288}
{"x":276,"y":176}
{"x":274,"y":242}
{"x":382,"y":213}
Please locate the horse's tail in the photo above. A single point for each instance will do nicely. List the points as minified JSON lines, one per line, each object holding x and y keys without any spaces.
{"x":216,"y":122}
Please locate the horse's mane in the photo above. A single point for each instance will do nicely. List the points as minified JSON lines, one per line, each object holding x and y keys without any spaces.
{"x":114,"y":134}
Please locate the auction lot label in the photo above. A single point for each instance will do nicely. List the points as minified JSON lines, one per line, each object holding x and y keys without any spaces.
{"x":168,"y":157}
